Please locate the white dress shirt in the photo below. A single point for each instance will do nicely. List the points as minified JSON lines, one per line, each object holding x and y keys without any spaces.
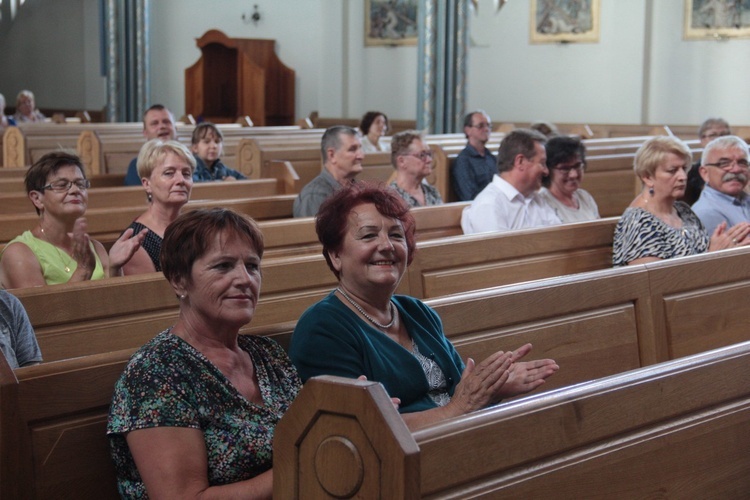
{"x":501,"y":207}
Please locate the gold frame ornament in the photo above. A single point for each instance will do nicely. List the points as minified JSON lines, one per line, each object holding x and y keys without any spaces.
{"x":390,"y":23}
{"x":716,"y":19}
{"x":564,"y":21}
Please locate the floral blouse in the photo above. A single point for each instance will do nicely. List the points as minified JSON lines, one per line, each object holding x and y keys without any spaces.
{"x":170,"y":383}
{"x":431,"y":195}
{"x":639,"y":233}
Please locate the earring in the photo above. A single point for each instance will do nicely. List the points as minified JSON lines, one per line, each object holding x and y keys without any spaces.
{"x":651,"y":191}
{"x":149,"y":197}
{"x":182,"y":296}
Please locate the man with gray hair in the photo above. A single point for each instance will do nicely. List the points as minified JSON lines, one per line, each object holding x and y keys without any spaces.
{"x":511,"y":200}
{"x":710,"y":129}
{"x":724,"y":168}
{"x":342,"y":155}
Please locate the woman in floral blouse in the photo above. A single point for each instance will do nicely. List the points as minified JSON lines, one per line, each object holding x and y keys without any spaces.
{"x":195,"y":410}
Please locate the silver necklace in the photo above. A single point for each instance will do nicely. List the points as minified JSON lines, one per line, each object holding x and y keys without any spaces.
{"x":369,"y":318}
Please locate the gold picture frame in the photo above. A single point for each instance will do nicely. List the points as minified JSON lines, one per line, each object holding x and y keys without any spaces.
{"x":390,"y":23}
{"x":564,"y":21}
{"x":717,"y":19}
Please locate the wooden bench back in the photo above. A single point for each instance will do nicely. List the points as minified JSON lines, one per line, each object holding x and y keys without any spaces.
{"x":594,"y":324}
{"x":625,"y":436}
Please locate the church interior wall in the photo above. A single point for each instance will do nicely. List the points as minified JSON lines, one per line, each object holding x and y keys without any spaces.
{"x":640,"y":71}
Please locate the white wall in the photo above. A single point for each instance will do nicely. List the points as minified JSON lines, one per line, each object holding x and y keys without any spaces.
{"x":693,"y":79}
{"x":45,"y":50}
{"x":514,"y":80}
{"x":53,"y":48}
{"x":176,"y":24}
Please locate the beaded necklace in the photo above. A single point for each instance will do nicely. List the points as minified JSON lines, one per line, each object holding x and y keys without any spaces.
{"x":369,"y":318}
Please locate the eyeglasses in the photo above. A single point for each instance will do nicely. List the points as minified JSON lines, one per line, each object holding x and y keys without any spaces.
{"x":726,"y":164}
{"x":481,"y":126}
{"x":422,"y":155}
{"x":714,"y":135}
{"x":63,"y":185}
{"x":565,"y":169}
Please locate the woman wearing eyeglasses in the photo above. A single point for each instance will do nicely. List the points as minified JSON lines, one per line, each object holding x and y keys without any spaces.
{"x":566,"y":162}
{"x":58,"y":249}
{"x":656,"y":226}
{"x":412,"y":160}
{"x":166,"y":171}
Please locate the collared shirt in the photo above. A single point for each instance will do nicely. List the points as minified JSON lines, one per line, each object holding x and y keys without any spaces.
{"x":217,"y":173}
{"x":714,"y":207}
{"x":501,"y":207}
{"x":471,"y":172}
{"x":314,"y":194}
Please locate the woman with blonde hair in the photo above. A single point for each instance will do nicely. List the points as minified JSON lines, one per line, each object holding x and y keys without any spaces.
{"x":166,"y":171}
{"x":656,"y":226}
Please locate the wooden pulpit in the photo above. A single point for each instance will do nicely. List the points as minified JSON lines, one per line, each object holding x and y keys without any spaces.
{"x":237,"y":77}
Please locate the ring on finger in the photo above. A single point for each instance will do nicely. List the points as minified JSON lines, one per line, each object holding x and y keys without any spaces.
{"x":734,"y":241}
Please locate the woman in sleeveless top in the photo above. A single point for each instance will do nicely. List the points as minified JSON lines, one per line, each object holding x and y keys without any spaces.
{"x":58,"y":249}
{"x":166,"y":171}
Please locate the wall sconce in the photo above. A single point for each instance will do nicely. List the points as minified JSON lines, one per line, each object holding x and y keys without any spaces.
{"x":251,"y":18}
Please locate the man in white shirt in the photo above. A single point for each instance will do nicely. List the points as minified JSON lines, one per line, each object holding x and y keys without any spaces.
{"x":511,"y":200}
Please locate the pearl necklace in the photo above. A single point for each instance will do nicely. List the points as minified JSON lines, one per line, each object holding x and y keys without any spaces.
{"x":369,"y":318}
{"x":59,"y":253}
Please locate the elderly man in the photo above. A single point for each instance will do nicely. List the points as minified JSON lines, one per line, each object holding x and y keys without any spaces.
{"x":475,"y":165}
{"x":158,"y":123}
{"x":709,"y":130}
{"x":724,"y":168}
{"x":511,"y":200}
{"x":342,"y":154}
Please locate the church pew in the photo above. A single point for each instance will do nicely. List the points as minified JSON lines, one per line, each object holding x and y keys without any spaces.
{"x":29,"y":142}
{"x":68,"y":324}
{"x":107,"y":224}
{"x":394,"y":126}
{"x":452,"y":264}
{"x":601,"y":319}
{"x":113,"y":152}
{"x":135,"y":196}
{"x":25,"y":144}
{"x":305,"y":279}
{"x":645,"y":433}
{"x":63,"y":315}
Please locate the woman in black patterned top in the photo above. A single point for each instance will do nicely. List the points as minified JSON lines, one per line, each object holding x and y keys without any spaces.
{"x":166,"y":171}
{"x":656,"y":226}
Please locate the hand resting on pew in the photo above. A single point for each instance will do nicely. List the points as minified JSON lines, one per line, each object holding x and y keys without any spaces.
{"x":58,"y":249}
{"x":363,"y":329}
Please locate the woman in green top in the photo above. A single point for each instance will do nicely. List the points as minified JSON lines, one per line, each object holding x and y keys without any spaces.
{"x":58,"y":249}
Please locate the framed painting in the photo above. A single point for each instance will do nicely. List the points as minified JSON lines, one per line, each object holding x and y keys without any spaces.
{"x":719,"y":19}
{"x":390,"y":22}
{"x":564,"y":21}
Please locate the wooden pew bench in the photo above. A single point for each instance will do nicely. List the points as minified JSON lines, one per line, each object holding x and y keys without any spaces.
{"x":595,"y":324}
{"x":135,"y":196}
{"x":65,"y":315}
{"x":108,"y":153}
{"x":643,"y":433}
{"x":106,"y":225}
